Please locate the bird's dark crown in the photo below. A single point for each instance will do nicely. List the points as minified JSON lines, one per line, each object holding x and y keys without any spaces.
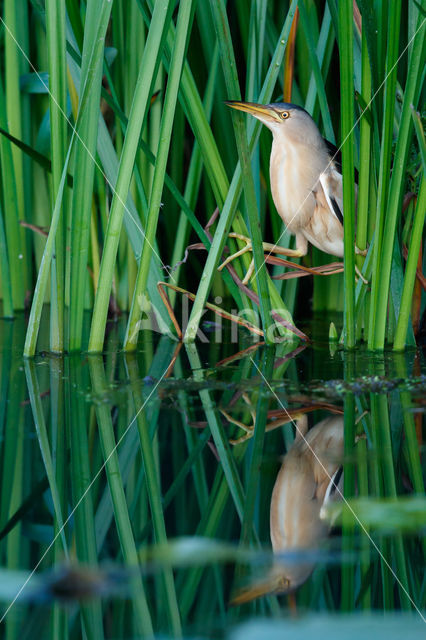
{"x":281,"y":106}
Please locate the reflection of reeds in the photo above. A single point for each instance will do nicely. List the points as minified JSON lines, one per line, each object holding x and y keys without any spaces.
{"x":163,"y":482}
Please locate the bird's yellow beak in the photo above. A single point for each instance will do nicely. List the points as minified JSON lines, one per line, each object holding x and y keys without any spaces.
{"x":263,"y":112}
{"x":275,"y":582}
{"x":251,"y":593}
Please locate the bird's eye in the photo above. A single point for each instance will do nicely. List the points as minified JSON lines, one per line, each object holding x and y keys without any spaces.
{"x":283,"y":583}
{"x":284,"y":115}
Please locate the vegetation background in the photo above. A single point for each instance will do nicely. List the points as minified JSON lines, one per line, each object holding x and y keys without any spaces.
{"x":117,"y":149}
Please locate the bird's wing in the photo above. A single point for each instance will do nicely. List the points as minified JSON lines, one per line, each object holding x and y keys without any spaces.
{"x":335,"y":486}
{"x":331,"y":182}
{"x":334,"y":493}
{"x":335,"y":154}
{"x":336,"y":157}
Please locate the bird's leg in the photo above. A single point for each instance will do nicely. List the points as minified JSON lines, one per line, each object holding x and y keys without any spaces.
{"x":282,"y":251}
{"x":267,"y":248}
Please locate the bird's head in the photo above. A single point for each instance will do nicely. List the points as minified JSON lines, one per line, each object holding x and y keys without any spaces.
{"x":285,"y":120}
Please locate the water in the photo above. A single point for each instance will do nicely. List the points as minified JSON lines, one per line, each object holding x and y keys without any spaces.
{"x":126,"y":510}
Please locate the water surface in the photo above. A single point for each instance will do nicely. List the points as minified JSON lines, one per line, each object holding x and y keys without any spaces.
{"x":136,"y":490}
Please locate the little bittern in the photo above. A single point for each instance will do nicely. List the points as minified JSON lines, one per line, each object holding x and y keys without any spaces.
{"x":310,"y":475}
{"x":306,"y":179}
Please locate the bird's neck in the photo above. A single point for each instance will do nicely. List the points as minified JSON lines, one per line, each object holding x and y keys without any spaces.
{"x":290,"y":182}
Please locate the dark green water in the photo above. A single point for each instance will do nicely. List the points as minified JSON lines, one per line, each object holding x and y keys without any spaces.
{"x":126,"y":511}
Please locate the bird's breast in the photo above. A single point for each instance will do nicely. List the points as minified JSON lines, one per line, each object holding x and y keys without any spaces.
{"x":294,"y":517}
{"x":292,"y":182}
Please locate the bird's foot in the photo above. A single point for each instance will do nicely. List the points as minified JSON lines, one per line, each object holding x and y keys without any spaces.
{"x":359,"y":274}
{"x":249,"y":273}
{"x":248,"y":247}
{"x":248,"y":429}
{"x":361,"y":436}
{"x":249,"y":433}
{"x":267,"y":247}
{"x":360,"y":252}
{"x":237,"y":254}
{"x":274,"y":420}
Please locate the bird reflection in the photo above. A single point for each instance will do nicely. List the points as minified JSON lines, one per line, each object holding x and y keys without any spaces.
{"x":310,"y":475}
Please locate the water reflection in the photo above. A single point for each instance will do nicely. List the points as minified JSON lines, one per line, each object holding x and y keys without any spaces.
{"x":66,"y":583}
{"x":105,"y":458}
{"x":310,"y":475}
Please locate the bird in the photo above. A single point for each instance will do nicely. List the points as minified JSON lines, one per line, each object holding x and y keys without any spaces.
{"x":306,"y":181}
{"x":310,"y":477}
